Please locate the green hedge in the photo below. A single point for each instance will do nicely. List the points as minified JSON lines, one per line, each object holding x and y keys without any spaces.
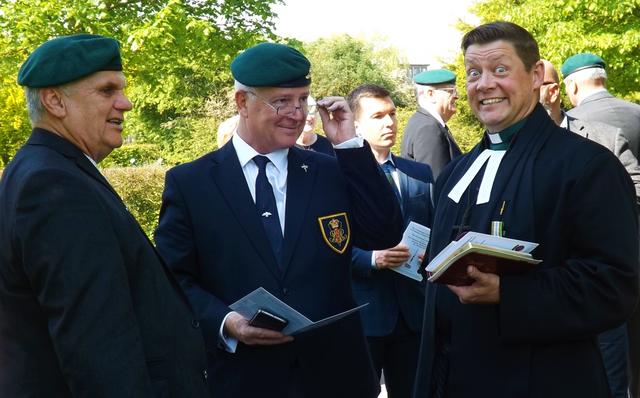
{"x":141,"y":189}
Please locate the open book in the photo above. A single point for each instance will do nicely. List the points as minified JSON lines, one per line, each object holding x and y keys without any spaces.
{"x":488,"y":253}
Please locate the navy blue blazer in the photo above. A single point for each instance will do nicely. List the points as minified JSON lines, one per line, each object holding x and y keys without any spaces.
{"x":388,"y":293}
{"x":574,"y":198}
{"x":211,"y":235}
{"x":87,"y":308}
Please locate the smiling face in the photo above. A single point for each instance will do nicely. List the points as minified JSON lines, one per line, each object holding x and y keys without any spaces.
{"x":261,"y":127}
{"x":500,"y":90}
{"x":376,"y":122}
{"x":94,"y":112}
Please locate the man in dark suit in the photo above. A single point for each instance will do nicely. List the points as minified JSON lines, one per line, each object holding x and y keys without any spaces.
{"x":393,"y":319}
{"x":260,"y":212}
{"x":585,"y":79}
{"x":87,"y":308}
{"x":534,"y":334}
{"x":613,"y":343}
{"x":427,"y":138}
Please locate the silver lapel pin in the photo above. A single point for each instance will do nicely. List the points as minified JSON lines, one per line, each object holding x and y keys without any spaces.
{"x":266,"y":214}
{"x":304,"y":167}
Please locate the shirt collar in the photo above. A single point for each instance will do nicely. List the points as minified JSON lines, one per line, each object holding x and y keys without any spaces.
{"x":501,"y":139}
{"x":389,"y":159}
{"x":246,"y":153}
{"x":93,"y":162}
{"x":427,"y":107}
{"x":565,"y":122}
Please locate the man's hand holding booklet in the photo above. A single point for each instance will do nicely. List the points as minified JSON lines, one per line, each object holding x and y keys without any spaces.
{"x":488,"y":253}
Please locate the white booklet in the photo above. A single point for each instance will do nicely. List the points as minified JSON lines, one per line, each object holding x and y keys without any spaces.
{"x":483,"y":239}
{"x":297,"y":323}
{"x":416,"y":236}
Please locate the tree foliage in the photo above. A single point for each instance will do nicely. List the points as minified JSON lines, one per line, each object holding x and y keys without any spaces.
{"x":562,"y":28}
{"x":176,"y":53}
{"x":341,"y":63}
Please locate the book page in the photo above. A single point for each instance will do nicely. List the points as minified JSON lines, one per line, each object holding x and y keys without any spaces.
{"x":484,"y":239}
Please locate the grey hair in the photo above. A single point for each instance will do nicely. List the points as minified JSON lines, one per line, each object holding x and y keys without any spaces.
{"x":241,"y":87}
{"x":589,"y":74}
{"x":34,"y":105}
{"x":35,"y":108}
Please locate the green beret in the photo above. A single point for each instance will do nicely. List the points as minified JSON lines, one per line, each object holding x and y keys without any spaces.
{"x":581,"y":61}
{"x":436,"y":76}
{"x":68,"y":58}
{"x":271,"y":65}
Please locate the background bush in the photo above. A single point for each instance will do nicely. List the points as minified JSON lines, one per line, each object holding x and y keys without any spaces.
{"x":141,"y":190}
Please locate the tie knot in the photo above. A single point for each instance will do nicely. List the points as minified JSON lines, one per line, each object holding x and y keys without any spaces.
{"x":387,"y":166}
{"x":261,"y":161}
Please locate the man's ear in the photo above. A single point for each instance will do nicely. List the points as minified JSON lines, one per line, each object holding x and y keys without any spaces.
{"x":241,"y":103}
{"x":554,"y":92}
{"x":53,"y":101}
{"x":538,"y":75}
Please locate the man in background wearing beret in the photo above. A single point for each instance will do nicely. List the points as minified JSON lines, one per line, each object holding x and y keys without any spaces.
{"x":87,"y":308}
{"x":585,"y":79}
{"x":260,"y":212}
{"x":427,"y":138}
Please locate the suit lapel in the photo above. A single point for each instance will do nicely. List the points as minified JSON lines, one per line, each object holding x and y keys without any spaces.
{"x":301,"y":175}
{"x":227,"y":174}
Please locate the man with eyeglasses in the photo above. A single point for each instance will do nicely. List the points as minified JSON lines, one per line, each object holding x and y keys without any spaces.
{"x":427,"y":138}
{"x":260,"y":212}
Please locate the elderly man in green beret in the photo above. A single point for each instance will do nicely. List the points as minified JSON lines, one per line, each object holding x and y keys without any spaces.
{"x":87,"y":307}
{"x":585,"y":78}
{"x":427,"y":138}
{"x":260,"y":212}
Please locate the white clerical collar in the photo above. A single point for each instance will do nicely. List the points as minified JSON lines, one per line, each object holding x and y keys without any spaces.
{"x":494,"y":157}
{"x":494,"y":138}
{"x":246,"y":153}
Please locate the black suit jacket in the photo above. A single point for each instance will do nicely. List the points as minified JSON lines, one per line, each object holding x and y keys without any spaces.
{"x":87,"y":309}
{"x":211,"y":235}
{"x":575,"y":199}
{"x":426,"y":141}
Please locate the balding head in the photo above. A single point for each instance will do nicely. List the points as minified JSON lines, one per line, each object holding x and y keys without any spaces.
{"x":550,"y":91}
{"x":550,"y":72}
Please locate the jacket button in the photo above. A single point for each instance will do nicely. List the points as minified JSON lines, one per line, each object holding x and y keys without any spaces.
{"x":195,"y":323}
{"x":205,"y":375}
